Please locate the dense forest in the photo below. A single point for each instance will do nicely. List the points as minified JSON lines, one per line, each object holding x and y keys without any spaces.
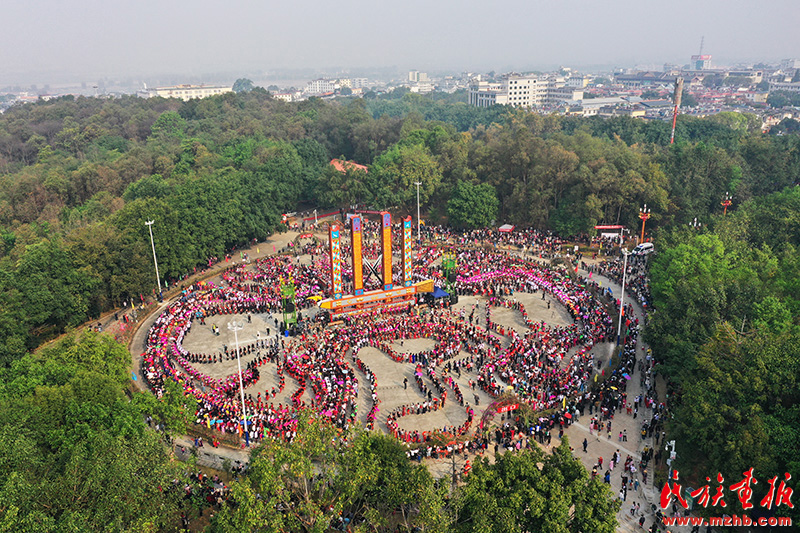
{"x":726,"y":331}
{"x":80,"y":177}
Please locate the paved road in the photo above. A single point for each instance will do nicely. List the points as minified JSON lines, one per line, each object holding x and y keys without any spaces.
{"x":601,"y":446}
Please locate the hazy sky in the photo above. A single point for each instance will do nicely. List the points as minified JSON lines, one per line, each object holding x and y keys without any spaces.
{"x":95,"y":38}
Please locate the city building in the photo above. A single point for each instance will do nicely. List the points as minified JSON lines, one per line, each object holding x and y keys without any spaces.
{"x":523,"y":91}
{"x":644,"y":78}
{"x":286,"y":97}
{"x":790,"y":64}
{"x":701,"y":62}
{"x":752,"y":76}
{"x":579,"y":82}
{"x":321,"y":86}
{"x":187,"y":92}
{"x":785,"y":86}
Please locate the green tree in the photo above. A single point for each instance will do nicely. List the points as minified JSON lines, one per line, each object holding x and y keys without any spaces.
{"x":532,"y":491}
{"x":341,"y":189}
{"x":472,"y":206}
{"x":76,"y":453}
{"x":688,"y":99}
{"x":325,"y":474}
{"x":395,"y":173}
{"x":243,"y":85}
{"x":169,"y":125}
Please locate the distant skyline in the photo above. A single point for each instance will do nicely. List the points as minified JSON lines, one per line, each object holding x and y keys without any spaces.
{"x":51,"y":41}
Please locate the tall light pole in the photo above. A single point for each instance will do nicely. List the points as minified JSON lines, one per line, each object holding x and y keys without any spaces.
{"x":726,"y":203}
{"x":622,"y":294}
{"x":419,"y":239}
{"x":694,"y":224}
{"x":149,"y":225}
{"x":235,"y":327}
{"x":644,"y":214}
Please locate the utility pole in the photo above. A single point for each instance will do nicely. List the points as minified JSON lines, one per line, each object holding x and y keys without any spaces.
{"x":235,"y":327}
{"x":149,"y":225}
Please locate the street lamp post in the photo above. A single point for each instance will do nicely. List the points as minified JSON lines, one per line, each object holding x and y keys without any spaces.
{"x":726,"y":203}
{"x":694,"y":224}
{"x":419,"y":239}
{"x":622,"y":294}
{"x":149,"y":225}
{"x":235,"y":327}
{"x":644,"y":215}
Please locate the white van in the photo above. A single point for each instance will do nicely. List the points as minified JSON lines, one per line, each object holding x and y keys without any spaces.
{"x":646,"y":248}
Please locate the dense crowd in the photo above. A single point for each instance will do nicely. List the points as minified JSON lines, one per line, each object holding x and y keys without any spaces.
{"x":637,"y":281}
{"x":547,"y":366}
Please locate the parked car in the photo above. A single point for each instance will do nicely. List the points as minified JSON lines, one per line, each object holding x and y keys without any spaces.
{"x":646,"y":248}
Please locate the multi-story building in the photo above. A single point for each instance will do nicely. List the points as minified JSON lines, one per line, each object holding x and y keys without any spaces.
{"x":701,"y":62}
{"x":753,"y":76}
{"x":579,"y":82}
{"x":785,"y":86}
{"x":321,"y":86}
{"x":286,"y":97}
{"x":522,"y":91}
{"x":487,"y":94}
{"x":187,"y":92}
{"x":643,"y":79}
{"x":790,"y":64}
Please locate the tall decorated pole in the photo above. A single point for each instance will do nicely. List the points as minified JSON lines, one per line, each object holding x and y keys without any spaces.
{"x":644,"y":215}
{"x":336,"y":261}
{"x":386,"y":249}
{"x":407,"y":260}
{"x":358,"y":267}
{"x":726,"y":203}
{"x":676,"y":100}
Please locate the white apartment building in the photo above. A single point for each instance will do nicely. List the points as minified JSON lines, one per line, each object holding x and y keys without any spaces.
{"x":321,"y":86}
{"x":578,"y":82}
{"x":187,"y":92}
{"x":286,"y":97}
{"x":785,"y":86}
{"x":522,"y":91}
{"x":415,"y":76}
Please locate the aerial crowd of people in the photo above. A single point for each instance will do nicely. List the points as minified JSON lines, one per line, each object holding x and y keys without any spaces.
{"x":547,"y":366}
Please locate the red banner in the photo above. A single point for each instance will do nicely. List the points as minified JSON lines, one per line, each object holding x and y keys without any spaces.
{"x":507,"y":408}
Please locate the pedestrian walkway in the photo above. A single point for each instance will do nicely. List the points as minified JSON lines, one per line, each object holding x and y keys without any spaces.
{"x":601,"y":446}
